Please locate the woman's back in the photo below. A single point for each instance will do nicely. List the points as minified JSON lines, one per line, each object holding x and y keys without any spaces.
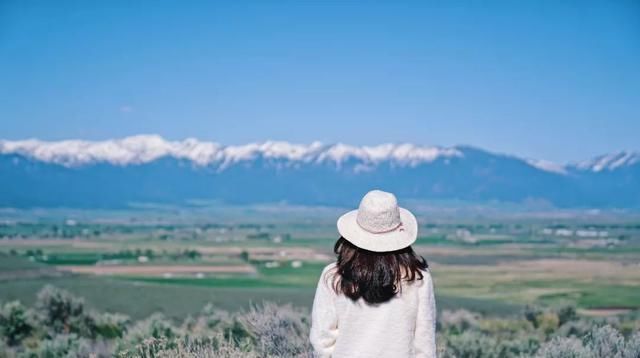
{"x":377,"y":300}
{"x":404,"y":326}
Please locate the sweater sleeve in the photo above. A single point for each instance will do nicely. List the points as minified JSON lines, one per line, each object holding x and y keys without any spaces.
{"x":324,"y":320}
{"x":425,"y":334}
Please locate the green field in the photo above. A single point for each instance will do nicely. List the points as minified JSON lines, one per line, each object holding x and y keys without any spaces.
{"x":489,"y":266}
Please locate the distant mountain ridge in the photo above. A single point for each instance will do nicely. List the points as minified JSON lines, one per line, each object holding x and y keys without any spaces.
{"x":148,"y":168}
{"x":147,"y":148}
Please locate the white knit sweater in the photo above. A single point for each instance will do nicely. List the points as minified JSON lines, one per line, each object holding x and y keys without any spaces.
{"x":402,"y":327}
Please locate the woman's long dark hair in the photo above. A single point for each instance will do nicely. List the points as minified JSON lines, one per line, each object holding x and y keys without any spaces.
{"x":374,"y":276}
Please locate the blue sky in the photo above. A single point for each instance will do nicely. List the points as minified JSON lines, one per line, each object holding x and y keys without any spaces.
{"x":557,"y":80}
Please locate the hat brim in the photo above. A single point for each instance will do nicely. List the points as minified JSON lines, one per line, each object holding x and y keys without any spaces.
{"x":394,"y":240}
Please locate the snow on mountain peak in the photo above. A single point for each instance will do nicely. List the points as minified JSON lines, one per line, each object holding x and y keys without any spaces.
{"x":547,"y":166}
{"x":610,"y":161}
{"x":146,"y":148}
{"x":130,"y":150}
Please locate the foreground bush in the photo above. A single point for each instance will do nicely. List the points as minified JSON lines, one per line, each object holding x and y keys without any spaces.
{"x":16,"y":323}
{"x":60,"y":325}
{"x":603,"y":341}
{"x":279,"y":331}
{"x":548,"y":333}
{"x":217,"y":346}
{"x":62,"y":313}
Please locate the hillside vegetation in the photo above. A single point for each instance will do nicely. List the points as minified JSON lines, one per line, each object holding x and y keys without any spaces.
{"x":59,"y":324}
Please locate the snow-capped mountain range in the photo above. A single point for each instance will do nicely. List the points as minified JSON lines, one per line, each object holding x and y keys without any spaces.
{"x":147,"y":148}
{"x":610,"y":161}
{"x":150,"y":168}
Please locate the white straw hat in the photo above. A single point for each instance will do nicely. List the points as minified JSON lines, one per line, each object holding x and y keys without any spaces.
{"x":379,"y":224}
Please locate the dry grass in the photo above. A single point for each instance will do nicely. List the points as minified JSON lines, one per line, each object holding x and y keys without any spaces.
{"x":158,"y":270}
{"x":268,"y":253}
{"x":603,"y":312}
{"x":42,"y":243}
{"x":526,"y":280}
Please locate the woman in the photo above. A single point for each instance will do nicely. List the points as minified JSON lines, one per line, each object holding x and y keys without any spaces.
{"x":377,"y":300}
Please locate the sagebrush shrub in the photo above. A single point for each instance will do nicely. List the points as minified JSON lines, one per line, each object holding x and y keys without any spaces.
{"x":213,"y":347}
{"x":279,"y":331}
{"x":16,"y":322}
{"x":62,"y":346}
{"x":605,"y":341}
{"x":632,"y":348}
{"x":110,"y":325}
{"x":157,"y":326}
{"x":563,"y":347}
{"x":458,"y":321}
{"x":63,"y":313}
{"x":60,"y":326}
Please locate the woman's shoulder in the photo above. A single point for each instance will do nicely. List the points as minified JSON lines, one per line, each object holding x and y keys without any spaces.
{"x":426,"y":274}
{"x":422,"y":278}
{"x":327,"y":276}
{"x":427,"y":280}
{"x":426,"y":271}
{"x":329,"y":270}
